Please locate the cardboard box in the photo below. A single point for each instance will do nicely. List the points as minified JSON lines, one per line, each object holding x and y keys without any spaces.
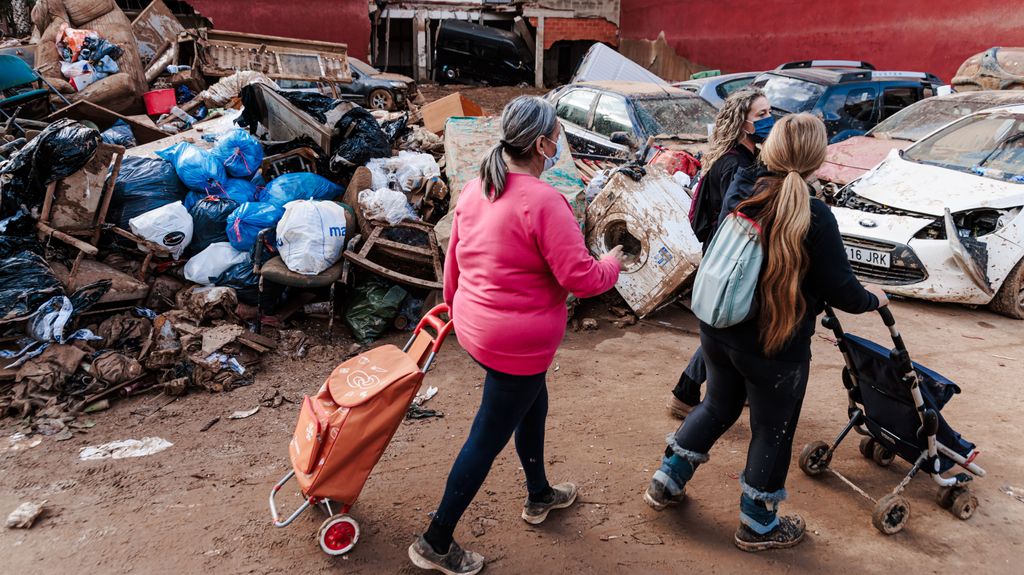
{"x":436,"y":114}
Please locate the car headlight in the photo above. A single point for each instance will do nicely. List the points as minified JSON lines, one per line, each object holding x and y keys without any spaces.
{"x":970,"y":223}
{"x":397,"y":84}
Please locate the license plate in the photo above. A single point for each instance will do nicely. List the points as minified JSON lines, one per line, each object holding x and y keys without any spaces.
{"x":869,"y":257}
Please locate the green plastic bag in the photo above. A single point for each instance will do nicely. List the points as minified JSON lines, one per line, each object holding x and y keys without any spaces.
{"x":374,"y":307}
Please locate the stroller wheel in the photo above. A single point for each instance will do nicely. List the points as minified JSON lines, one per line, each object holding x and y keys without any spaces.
{"x":815,"y":457}
{"x":891,"y":514}
{"x":867,"y":447}
{"x":338,"y":534}
{"x":944,"y":497}
{"x":964,"y":504}
{"x":882,"y":456}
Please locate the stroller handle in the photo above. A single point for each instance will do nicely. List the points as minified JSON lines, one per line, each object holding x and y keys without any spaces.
{"x":887,"y":317}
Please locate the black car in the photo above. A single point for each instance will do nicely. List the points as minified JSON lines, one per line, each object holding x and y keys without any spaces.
{"x":369,"y":87}
{"x":607,"y":120}
{"x":850,"y":97}
{"x":468,"y":53}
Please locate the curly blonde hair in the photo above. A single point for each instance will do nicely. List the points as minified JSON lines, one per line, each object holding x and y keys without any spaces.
{"x":729,"y":124}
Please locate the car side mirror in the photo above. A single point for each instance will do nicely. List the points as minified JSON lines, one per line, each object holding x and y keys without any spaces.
{"x":625,"y":139}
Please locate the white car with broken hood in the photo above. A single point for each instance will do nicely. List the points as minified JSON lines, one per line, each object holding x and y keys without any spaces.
{"x":943,"y":219}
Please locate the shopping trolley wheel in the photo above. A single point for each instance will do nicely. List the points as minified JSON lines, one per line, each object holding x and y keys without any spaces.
{"x":964,"y":503}
{"x":338,"y":534}
{"x":815,"y":457}
{"x":867,"y":447}
{"x":882,"y":456}
{"x":891,"y":514}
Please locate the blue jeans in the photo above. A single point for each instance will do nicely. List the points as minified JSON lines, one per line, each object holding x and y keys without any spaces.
{"x":510,"y":404}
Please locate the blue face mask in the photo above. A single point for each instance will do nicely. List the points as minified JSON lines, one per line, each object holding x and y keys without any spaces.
{"x":549,"y":162}
{"x":762,"y":128}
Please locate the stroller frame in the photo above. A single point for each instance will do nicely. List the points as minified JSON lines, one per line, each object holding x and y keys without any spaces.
{"x":892,"y":511}
{"x":339,"y":532}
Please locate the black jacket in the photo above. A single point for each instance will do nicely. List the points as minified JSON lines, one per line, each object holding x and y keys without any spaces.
{"x":829,"y":277}
{"x":711,"y":192}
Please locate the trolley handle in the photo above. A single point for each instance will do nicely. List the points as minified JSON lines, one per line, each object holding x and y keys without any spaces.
{"x":887,"y":317}
{"x":441,"y":328}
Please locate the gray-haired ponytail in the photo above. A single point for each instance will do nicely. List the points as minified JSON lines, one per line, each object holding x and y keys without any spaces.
{"x":523,"y":121}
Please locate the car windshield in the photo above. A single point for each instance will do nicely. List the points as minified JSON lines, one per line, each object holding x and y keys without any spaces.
{"x":363,"y":67}
{"x":680,"y":116}
{"x":789,"y":94}
{"x":989,"y":145}
{"x":917,"y":121}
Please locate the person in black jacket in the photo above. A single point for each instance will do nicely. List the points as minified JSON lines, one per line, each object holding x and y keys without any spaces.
{"x":743,"y":123}
{"x":765,"y":360}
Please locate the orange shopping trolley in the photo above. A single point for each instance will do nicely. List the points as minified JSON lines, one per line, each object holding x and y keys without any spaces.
{"x":344,"y":429}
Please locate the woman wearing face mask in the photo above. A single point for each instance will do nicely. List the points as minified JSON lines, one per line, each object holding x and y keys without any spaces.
{"x":766,"y":359}
{"x":742,"y":124}
{"x":516,"y":252}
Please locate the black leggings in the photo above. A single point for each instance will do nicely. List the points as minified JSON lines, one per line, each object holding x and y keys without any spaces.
{"x":510,"y":403}
{"x":775,"y":390}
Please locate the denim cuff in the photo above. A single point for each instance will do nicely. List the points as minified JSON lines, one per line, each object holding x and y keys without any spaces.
{"x":691,"y":456}
{"x":758,"y":495}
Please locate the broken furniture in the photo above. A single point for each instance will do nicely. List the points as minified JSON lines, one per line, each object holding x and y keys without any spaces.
{"x":223,"y":53}
{"x":74,"y":212}
{"x":156,"y":32}
{"x":649,"y":219}
{"x":297,"y":160}
{"x":285,"y":122}
{"x":405,"y":257}
{"x":104,"y":119}
{"x":15,"y":74}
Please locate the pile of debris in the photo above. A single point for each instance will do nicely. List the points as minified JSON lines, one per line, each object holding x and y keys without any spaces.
{"x":150,"y":252}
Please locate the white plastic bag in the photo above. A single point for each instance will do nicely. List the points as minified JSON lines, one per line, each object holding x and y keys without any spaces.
{"x":208,"y":264}
{"x":405,"y":172}
{"x":387,"y":205}
{"x":169,"y":226}
{"x":311,"y":235}
{"x":597,"y":184}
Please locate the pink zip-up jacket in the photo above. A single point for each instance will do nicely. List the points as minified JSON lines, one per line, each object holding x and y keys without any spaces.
{"x":510,"y":266}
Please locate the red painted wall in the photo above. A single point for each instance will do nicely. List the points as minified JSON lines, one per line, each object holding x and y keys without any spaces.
{"x":344,"y":21}
{"x":741,"y":35}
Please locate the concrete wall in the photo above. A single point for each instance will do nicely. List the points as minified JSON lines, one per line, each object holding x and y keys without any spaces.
{"x":740,"y":35}
{"x":344,"y":21}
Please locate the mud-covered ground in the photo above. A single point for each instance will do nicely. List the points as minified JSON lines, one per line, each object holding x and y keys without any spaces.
{"x":201,"y":505}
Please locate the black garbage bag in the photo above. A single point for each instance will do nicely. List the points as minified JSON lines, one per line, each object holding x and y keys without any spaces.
{"x":245,"y":282}
{"x":395,"y":129}
{"x":209,"y":222}
{"x":142,"y":185}
{"x":362,"y":140}
{"x":17,"y":233}
{"x":375,"y":305}
{"x":313,"y":103}
{"x":60,"y":150}
{"x":26,"y":282}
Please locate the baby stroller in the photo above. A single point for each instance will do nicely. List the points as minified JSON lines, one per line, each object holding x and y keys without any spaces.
{"x":344,"y":429}
{"x":896,"y":405}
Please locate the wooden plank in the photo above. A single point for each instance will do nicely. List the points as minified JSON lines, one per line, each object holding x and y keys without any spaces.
{"x":390,"y":274}
{"x":104,"y":118}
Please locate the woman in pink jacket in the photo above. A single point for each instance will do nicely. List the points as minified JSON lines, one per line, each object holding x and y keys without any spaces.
{"x":516,"y":252}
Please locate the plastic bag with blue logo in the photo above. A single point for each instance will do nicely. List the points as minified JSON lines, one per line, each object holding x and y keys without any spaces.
{"x":240,"y":153}
{"x":300,"y":186}
{"x":196,"y":168}
{"x":245,"y":223}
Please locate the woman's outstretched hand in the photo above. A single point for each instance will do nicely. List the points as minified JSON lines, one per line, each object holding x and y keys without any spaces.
{"x":620,"y":257}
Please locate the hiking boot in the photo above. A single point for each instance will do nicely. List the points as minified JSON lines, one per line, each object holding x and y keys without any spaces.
{"x":678,"y":409}
{"x":787,"y":533}
{"x":658,"y":495}
{"x":563,"y":495}
{"x":457,"y":561}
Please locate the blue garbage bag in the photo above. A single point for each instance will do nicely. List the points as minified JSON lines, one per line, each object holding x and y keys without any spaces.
{"x":119,"y":134}
{"x":240,"y":190}
{"x":240,"y":153}
{"x":299,"y":186}
{"x":245,"y":223}
{"x":196,"y":168}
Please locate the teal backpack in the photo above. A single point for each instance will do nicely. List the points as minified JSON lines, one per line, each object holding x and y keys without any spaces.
{"x":726,"y":286}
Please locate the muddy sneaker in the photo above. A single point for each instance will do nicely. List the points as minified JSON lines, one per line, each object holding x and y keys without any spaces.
{"x":787,"y":533}
{"x":457,"y":561}
{"x":658,"y":495}
{"x":678,"y":409}
{"x":563,"y":495}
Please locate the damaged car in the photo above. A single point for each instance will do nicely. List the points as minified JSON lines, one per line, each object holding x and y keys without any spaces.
{"x":851,"y":158}
{"x":942,"y":220}
{"x":611,"y":119}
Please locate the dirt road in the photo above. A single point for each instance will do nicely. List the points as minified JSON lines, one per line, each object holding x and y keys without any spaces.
{"x":201,"y":505}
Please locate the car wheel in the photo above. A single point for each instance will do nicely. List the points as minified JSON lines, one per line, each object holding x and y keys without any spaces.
{"x":1009,"y":300}
{"x":381,"y":100}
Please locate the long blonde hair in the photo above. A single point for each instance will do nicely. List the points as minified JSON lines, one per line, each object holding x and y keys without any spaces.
{"x":728,"y":129}
{"x":794,"y":150}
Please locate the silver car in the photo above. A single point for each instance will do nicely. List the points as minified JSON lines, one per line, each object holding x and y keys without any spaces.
{"x":715,"y":89}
